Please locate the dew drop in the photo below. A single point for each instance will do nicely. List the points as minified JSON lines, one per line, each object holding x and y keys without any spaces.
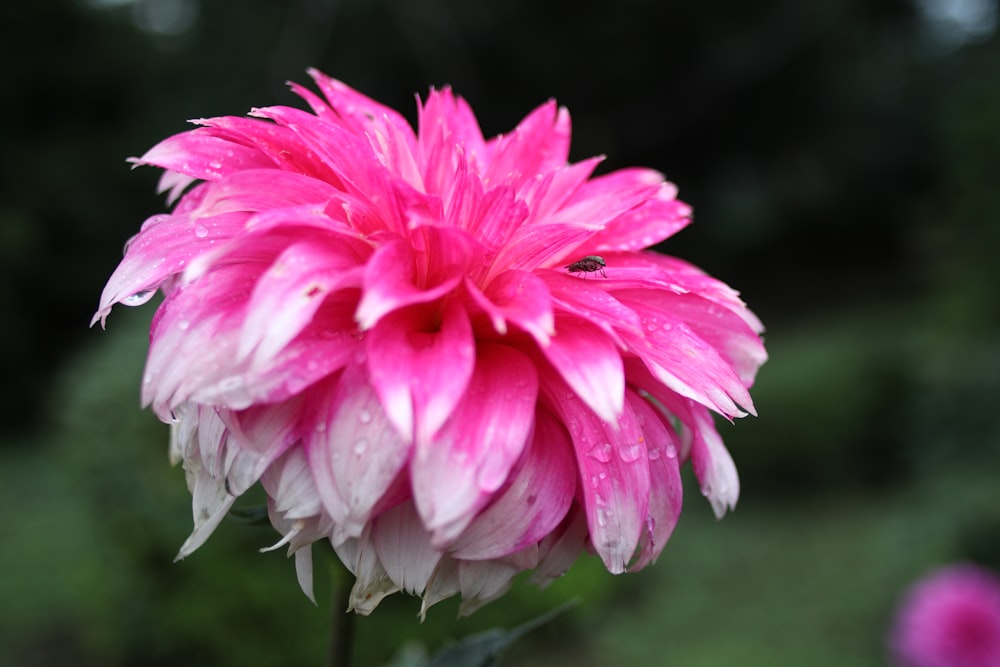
{"x":139,"y":298}
{"x":654,"y":453}
{"x":593,"y":481}
{"x":201,"y":231}
{"x":602,"y":517}
{"x":365,"y":416}
{"x":630,"y":452}
{"x":671,"y":451}
{"x":601,"y":452}
{"x":320,"y":427}
{"x":360,"y":446}
{"x":667,"y":326}
{"x":184,"y":325}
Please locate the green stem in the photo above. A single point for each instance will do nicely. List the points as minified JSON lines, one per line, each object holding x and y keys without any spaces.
{"x":341,"y":620}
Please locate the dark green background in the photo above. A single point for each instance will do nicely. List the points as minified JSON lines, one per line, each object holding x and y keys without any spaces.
{"x":841,"y":157}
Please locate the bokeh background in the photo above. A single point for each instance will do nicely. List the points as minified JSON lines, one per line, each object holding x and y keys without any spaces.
{"x":842,"y":158}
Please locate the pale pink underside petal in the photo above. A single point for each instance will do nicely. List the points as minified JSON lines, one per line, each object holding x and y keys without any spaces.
{"x":534,"y":503}
{"x":712,"y":463}
{"x":560,"y":549}
{"x":260,"y":434}
{"x":354,"y":452}
{"x":456,"y":473}
{"x":404,"y":548}
{"x":419,"y":373}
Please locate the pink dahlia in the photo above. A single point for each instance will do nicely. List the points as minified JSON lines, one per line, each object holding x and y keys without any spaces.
{"x":950,"y":618}
{"x":448,"y":356}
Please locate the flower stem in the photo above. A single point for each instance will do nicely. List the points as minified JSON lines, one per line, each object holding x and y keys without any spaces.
{"x":341,"y":620}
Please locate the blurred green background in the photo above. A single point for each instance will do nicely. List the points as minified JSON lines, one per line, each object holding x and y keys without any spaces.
{"x":841,"y":157}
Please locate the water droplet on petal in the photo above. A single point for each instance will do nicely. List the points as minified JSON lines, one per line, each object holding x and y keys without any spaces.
{"x":671,"y":451}
{"x":139,"y":298}
{"x":601,"y":452}
{"x":360,"y":446}
{"x":654,"y":453}
{"x":630,"y":452}
{"x":365,"y":416}
{"x":201,"y":231}
{"x":184,"y":325}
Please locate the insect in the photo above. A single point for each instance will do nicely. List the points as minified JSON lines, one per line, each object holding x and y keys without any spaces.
{"x":589,"y":264}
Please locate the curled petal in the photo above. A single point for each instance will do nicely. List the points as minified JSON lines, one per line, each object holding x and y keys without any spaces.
{"x":389,"y":284}
{"x":532,"y":505}
{"x":354,"y":452}
{"x":665,"y":491}
{"x":614,"y":478}
{"x":420,"y":367}
{"x":520,"y":298}
{"x":457,"y":473}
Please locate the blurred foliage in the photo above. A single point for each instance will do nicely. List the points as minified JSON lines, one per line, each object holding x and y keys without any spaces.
{"x":841,"y":159}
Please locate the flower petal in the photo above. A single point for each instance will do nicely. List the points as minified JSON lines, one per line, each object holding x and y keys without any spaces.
{"x":202,"y":154}
{"x":533,"y":504}
{"x":389,"y":284}
{"x":420,"y":364}
{"x":354,"y":452}
{"x":649,"y":223}
{"x":404,"y":548}
{"x":456,"y":473}
{"x":521,"y":298}
{"x":665,"y":491}
{"x":614,"y":473}
{"x":682,"y":360}
{"x":590,"y":364}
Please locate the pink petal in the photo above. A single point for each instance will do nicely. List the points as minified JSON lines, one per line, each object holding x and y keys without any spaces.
{"x":539,"y":245}
{"x":665,"y":492}
{"x":456,"y":473}
{"x":257,"y":190}
{"x":614,"y":473}
{"x":712,"y":463}
{"x":602,"y":199}
{"x":291,"y":291}
{"x":354,"y":453}
{"x":389,"y":284}
{"x":683,"y":361}
{"x":548,"y":191}
{"x":532,"y":505}
{"x":720,"y":327}
{"x":520,"y":298}
{"x":446,"y":127}
{"x":284,"y":149}
{"x":591,"y":366}
{"x":589,"y":300}
{"x":645,"y":225}
{"x":357,"y":111}
{"x":420,"y":362}
{"x":162,"y":249}
{"x":201,"y":154}
{"x":538,"y":144}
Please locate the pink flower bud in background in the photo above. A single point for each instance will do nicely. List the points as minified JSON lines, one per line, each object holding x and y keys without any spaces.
{"x":950,"y":618}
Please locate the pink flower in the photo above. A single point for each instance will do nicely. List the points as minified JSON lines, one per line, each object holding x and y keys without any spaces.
{"x":447,"y":355}
{"x":950,"y":618}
